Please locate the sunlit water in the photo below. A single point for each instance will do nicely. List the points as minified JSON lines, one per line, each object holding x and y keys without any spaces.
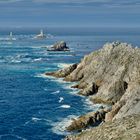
{"x":35,"y":107}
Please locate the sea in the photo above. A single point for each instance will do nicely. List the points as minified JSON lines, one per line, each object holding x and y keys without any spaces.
{"x":32,"y":105}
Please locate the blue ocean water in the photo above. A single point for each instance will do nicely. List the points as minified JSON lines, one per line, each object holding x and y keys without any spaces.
{"x":35,"y":107}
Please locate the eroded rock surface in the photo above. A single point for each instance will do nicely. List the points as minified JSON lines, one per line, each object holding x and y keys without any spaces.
{"x":90,"y":119}
{"x":110,"y":75}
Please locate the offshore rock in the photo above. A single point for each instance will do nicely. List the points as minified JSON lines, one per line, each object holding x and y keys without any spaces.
{"x":59,"y":46}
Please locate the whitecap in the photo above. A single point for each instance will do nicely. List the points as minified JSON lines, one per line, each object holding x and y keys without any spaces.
{"x":65,"y":106}
{"x":15,"y":61}
{"x":63,"y":65}
{"x":56,"y":92}
{"x":89,"y":105}
{"x":40,"y":75}
{"x":37,"y":59}
{"x":35,"y":119}
{"x":61,"y":99}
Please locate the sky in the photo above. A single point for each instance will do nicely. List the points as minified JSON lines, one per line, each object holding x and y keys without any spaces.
{"x":69,"y":13}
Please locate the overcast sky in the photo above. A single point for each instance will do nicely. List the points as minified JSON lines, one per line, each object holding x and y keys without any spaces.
{"x":70,"y":13}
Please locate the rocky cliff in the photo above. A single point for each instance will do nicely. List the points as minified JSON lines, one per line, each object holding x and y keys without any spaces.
{"x":110,"y":75}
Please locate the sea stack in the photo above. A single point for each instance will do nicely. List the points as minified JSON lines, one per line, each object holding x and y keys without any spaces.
{"x":109,"y":76}
{"x":59,"y":46}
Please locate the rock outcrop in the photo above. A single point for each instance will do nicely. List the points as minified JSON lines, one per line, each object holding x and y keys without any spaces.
{"x":110,"y":75}
{"x":64,"y":72}
{"x":121,"y":129}
{"x":59,"y":46}
{"x":88,"y":120}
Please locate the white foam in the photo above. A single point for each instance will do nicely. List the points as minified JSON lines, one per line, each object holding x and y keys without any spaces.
{"x":40,"y":75}
{"x":56,"y":92}
{"x":63,"y":65}
{"x":90,"y":106}
{"x":15,"y":61}
{"x":61,"y":99}
{"x":37,"y":59}
{"x":36,"y":119}
{"x":60,"y":127}
{"x":65,"y":106}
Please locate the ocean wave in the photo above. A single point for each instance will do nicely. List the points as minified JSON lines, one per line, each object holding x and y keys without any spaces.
{"x":55,"y":92}
{"x":63,"y":65}
{"x":65,"y":106}
{"x":6,"y":43}
{"x":11,"y":136}
{"x":60,"y":127}
{"x":35,"y":120}
{"x":90,"y":106}
{"x":37,"y":59}
{"x":61,"y":99}
{"x":41,"y":76}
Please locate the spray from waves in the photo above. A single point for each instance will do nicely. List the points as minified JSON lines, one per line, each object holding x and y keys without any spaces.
{"x":63,"y":65}
{"x":60,"y":127}
{"x":90,"y":106}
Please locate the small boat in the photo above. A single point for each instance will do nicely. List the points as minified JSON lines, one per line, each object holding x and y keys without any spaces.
{"x":40,"y":36}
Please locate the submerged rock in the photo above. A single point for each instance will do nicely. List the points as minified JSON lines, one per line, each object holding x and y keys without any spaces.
{"x":59,"y":46}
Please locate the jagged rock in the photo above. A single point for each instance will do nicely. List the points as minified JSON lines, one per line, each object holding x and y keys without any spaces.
{"x":111,"y":75}
{"x":59,"y":46}
{"x":63,"y":72}
{"x":90,"y":119}
{"x":121,"y":129}
{"x":112,"y":69}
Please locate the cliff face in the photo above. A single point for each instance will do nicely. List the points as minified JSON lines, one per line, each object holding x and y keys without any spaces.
{"x":110,"y":75}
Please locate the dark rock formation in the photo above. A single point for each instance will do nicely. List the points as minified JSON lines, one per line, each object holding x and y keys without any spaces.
{"x":64,"y":72}
{"x":59,"y":46}
{"x":90,"y":119}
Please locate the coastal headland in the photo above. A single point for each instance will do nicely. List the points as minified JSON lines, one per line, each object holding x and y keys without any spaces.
{"x":109,"y":76}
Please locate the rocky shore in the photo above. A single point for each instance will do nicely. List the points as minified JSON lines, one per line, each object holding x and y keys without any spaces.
{"x":110,"y":76}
